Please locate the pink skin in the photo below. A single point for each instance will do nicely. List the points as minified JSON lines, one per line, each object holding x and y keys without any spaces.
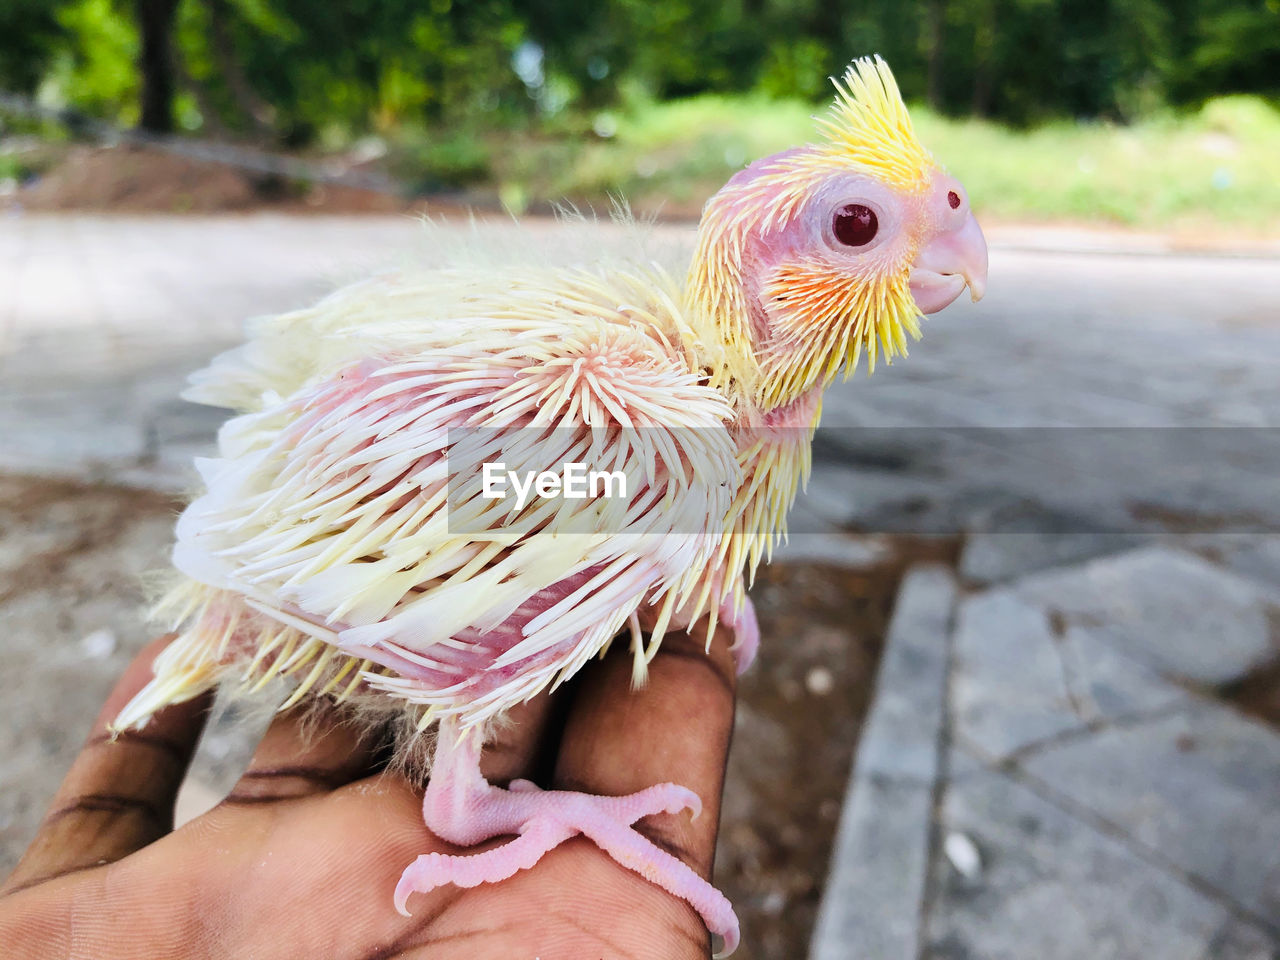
{"x":940,"y":243}
{"x":460,"y":806}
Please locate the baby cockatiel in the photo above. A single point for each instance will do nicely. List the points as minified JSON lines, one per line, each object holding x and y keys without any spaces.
{"x":370,"y":531}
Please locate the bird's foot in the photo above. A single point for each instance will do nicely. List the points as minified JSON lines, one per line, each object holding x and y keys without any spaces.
{"x":464,"y":809}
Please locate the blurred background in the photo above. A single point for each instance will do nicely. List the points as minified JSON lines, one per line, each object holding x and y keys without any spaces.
{"x":1134,"y":112}
{"x":1019,"y":688}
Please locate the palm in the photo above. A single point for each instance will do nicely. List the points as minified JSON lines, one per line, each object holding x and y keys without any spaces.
{"x":576,"y":902}
{"x":302,"y":858}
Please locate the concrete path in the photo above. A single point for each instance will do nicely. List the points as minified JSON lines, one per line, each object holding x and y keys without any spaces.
{"x":102,"y":319}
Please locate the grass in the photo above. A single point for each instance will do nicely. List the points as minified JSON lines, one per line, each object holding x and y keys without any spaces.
{"x":1216,"y":168}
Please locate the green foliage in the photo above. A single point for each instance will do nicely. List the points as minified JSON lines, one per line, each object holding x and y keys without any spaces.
{"x":1217,"y":167}
{"x":788,"y":70}
{"x":1236,"y":46}
{"x":92,"y":69}
{"x":661,"y":100}
{"x":669,"y":150}
{"x":303,"y":71}
{"x":339,"y":70}
{"x":428,"y":161}
{"x":12,"y":169}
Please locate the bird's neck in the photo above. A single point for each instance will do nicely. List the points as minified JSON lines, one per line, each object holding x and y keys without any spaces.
{"x":726,"y":309}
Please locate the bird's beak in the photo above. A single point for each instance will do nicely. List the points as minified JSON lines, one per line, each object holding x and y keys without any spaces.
{"x":947,"y":264}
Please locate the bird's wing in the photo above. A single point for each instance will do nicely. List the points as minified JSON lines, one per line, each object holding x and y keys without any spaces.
{"x":352,"y":509}
{"x":399,"y":308}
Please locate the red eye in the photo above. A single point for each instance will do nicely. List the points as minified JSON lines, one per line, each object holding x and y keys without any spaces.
{"x":855,"y":225}
{"x":953,"y":198}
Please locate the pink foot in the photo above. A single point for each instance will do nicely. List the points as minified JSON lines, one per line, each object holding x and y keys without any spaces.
{"x":461,"y":807}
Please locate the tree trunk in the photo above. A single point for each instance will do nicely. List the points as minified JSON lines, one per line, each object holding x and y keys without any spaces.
{"x":256,"y":111}
{"x":155,"y":25}
{"x":984,"y":56}
{"x":935,"y":25}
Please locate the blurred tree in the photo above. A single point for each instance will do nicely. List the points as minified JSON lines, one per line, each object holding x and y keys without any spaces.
{"x":302,"y":69}
{"x":93,"y":67}
{"x":298,"y":71}
{"x":155,"y":26}
{"x":255,"y":111}
{"x":1234,"y":47}
{"x":935,"y":30}
{"x":29,"y":32}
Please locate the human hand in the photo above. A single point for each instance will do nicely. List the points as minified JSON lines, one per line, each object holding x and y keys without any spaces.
{"x":301,"y":859}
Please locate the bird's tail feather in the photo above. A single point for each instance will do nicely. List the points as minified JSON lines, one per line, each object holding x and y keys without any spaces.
{"x":223,"y":640}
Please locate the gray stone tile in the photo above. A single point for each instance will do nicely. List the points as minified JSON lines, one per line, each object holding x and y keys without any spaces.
{"x":1239,"y":940}
{"x":830,"y":494}
{"x":1256,"y":556}
{"x":1008,"y":685}
{"x":1108,"y":684}
{"x":1200,"y":786}
{"x":1054,"y":888}
{"x":1168,"y":608}
{"x":900,"y":738}
{"x":871,"y":905}
{"x":1261,"y":561}
{"x":962,"y":763}
{"x":993,"y":557}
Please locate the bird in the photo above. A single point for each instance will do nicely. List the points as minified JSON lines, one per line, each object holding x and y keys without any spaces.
{"x":391,"y":521}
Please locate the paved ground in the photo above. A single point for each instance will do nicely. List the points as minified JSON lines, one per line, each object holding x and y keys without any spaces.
{"x":1060,"y":778}
{"x":1056,"y":779}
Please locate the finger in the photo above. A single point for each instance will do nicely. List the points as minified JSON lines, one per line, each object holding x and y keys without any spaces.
{"x":312,"y":748}
{"x":674,"y":729}
{"x":524,"y":743}
{"x":119,"y":794}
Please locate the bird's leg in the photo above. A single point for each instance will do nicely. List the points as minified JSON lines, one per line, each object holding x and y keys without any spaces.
{"x":461,"y":807}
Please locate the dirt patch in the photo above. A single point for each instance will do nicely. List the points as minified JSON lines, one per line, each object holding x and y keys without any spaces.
{"x":72,"y":556}
{"x":139,"y":180}
{"x":1257,"y":694}
{"x":47,"y":524}
{"x":800,"y":711}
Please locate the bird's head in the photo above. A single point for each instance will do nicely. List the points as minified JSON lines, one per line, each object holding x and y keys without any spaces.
{"x":810,"y":257}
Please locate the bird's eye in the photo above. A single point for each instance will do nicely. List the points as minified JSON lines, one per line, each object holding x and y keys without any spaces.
{"x":953,"y":198}
{"x":855,"y":225}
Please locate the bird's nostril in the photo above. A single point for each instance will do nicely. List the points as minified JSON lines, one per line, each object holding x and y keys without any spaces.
{"x":953,"y":198}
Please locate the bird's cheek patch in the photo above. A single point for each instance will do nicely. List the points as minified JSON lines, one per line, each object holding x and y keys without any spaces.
{"x":804,"y":297}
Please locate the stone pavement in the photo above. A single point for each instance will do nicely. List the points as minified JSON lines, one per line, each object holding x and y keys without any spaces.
{"x":1047,"y":771}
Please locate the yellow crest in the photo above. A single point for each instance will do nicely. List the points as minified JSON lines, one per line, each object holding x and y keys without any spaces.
{"x":868,"y":125}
